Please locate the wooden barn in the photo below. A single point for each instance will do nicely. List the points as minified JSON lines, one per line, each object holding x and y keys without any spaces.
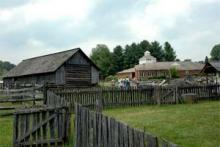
{"x":212,"y":69}
{"x":71,"y":67}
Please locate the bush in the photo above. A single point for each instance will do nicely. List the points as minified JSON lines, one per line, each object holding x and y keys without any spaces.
{"x":174,"y":73}
{"x":110,"y":78}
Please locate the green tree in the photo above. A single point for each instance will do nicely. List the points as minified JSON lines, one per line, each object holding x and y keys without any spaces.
{"x":102,"y":57}
{"x":5,"y":66}
{"x":169,"y":53}
{"x":129,"y":57}
{"x":156,"y":51}
{"x":215,"y":53}
{"x":117,"y":59}
{"x":144,"y":45}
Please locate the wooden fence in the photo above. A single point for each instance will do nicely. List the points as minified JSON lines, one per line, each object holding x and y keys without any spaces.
{"x":93,"y":129}
{"x":41,"y":127}
{"x":25,"y":92}
{"x":121,"y":97}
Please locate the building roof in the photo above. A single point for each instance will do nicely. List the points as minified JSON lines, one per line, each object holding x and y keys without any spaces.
{"x":130,"y":70}
{"x":43,"y":64}
{"x":211,"y":67}
{"x":147,"y":56}
{"x":216,"y":65}
{"x":168,"y":65}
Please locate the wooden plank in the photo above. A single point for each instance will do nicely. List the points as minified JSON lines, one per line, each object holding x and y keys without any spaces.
{"x":34,"y":129}
{"x":15,"y":129}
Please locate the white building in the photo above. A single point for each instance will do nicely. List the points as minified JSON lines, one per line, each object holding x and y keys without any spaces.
{"x":147,"y":58}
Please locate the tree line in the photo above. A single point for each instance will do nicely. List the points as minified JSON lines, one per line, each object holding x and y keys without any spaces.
{"x":4,"y":67}
{"x":128,"y":56}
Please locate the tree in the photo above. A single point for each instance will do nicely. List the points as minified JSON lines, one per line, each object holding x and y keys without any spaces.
{"x":102,"y":57}
{"x":169,"y":53}
{"x":215,"y":53}
{"x":129,"y":57}
{"x":156,"y":51}
{"x":144,"y":45}
{"x":206,"y":59}
{"x":5,"y":66}
{"x":117,"y":59}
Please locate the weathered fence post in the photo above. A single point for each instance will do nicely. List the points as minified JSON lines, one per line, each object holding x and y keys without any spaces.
{"x":34,"y":96}
{"x":99,"y":105}
{"x":157,"y":95}
{"x":45,"y":88}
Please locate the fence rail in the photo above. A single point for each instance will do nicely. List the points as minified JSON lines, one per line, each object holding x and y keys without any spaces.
{"x":121,"y":97}
{"x":41,"y":126}
{"x":96,"y":130}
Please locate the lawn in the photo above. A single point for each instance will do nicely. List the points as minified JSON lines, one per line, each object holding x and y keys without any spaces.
{"x":186,"y":125}
{"x":6,"y":124}
{"x":190,"y":125}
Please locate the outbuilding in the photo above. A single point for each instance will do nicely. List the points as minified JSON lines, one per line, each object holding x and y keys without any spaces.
{"x":212,"y":69}
{"x":71,"y":67}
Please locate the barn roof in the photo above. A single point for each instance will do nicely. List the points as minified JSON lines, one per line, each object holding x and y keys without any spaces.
{"x":216,"y":65}
{"x":42,"y":64}
{"x":211,"y":67}
{"x":168,"y":65}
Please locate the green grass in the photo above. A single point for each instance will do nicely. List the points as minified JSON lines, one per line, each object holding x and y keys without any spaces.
{"x":6,"y":124}
{"x":186,"y":125}
{"x":190,"y":125}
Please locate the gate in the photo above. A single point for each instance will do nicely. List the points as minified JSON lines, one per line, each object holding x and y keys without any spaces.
{"x":41,"y":127}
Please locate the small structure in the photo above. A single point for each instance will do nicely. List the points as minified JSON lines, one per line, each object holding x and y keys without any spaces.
{"x":212,"y":69}
{"x":71,"y":67}
{"x":147,"y":58}
{"x":1,"y":84}
{"x":128,"y":73}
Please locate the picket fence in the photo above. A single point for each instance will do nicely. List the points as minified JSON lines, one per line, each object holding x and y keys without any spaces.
{"x":93,"y":129}
{"x":111,"y":97}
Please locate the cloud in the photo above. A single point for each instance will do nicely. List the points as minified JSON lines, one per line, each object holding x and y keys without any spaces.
{"x":34,"y":27}
{"x":190,"y":25}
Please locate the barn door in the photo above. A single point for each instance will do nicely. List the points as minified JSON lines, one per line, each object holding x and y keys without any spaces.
{"x":77,"y":74}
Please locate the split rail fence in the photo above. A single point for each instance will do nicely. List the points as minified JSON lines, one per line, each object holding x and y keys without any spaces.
{"x":21,"y":95}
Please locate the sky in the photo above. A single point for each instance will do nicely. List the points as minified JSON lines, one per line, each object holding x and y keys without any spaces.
{"x":30,"y":28}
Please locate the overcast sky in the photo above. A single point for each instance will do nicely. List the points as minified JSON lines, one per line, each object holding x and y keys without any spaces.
{"x":31,"y":28}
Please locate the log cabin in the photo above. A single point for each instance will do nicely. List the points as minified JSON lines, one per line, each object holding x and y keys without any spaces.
{"x":71,"y":67}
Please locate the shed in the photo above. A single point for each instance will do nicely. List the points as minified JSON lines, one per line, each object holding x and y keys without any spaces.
{"x":71,"y":67}
{"x":212,"y":69}
{"x":1,"y":84}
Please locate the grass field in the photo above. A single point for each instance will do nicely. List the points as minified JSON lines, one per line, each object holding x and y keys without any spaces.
{"x":6,"y":131}
{"x":190,"y":125}
{"x":187,"y":125}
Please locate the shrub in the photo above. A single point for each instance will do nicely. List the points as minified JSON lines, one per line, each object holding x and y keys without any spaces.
{"x":174,"y":73}
{"x":110,"y":78}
